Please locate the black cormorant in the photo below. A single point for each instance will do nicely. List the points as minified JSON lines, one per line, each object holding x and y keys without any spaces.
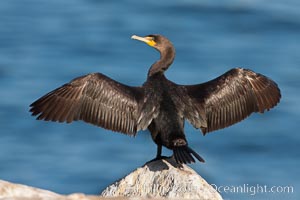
{"x":159,"y":104}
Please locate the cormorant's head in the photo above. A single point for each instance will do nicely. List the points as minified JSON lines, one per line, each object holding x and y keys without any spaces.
{"x":165,"y":48}
{"x":158,"y":42}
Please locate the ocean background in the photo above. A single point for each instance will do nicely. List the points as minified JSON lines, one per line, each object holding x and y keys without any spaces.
{"x":44,"y":44}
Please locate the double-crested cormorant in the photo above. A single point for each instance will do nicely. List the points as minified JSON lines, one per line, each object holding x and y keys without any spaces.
{"x":159,"y":104}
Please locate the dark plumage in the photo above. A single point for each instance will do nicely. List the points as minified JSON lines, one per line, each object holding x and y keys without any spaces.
{"x":160,"y":105}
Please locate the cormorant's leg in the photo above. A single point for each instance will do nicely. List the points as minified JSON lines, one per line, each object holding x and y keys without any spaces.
{"x":158,"y":154}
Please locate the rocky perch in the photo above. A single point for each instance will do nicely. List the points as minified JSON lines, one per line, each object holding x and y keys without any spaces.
{"x":161,"y":179}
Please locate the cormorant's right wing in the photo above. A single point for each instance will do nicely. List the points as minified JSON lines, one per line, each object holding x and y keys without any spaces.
{"x":228,"y":99}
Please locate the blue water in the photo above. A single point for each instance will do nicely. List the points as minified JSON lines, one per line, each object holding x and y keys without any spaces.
{"x":44,"y":44}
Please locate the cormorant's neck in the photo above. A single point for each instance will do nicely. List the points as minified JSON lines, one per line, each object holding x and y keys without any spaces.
{"x":167,"y":56}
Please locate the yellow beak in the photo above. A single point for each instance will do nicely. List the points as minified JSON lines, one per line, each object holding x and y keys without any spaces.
{"x":147,"y":40}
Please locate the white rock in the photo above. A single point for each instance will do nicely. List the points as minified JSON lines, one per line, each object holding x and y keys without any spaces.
{"x":163,"y":179}
{"x":157,"y":179}
{"x":12,"y":191}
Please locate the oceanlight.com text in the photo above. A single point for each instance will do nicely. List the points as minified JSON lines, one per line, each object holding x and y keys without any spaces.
{"x":252,"y":189}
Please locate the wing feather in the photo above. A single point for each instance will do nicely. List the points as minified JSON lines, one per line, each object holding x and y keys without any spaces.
{"x":229,"y":99}
{"x":93,"y":98}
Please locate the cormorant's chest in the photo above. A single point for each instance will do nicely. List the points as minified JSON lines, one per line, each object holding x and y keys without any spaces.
{"x":159,"y":89}
{"x":162,"y":92}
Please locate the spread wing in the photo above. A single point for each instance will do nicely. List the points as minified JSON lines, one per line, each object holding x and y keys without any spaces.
{"x":229,"y":99}
{"x":96,"y":99}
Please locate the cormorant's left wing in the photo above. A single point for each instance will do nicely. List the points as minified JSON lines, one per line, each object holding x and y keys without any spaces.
{"x":228,"y":99}
{"x":96,"y":99}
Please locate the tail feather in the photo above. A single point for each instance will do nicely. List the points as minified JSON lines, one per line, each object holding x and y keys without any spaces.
{"x":196,"y":155}
{"x":184,"y":155}
{"x":188,"y":156}
{"x":180,"y":156}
